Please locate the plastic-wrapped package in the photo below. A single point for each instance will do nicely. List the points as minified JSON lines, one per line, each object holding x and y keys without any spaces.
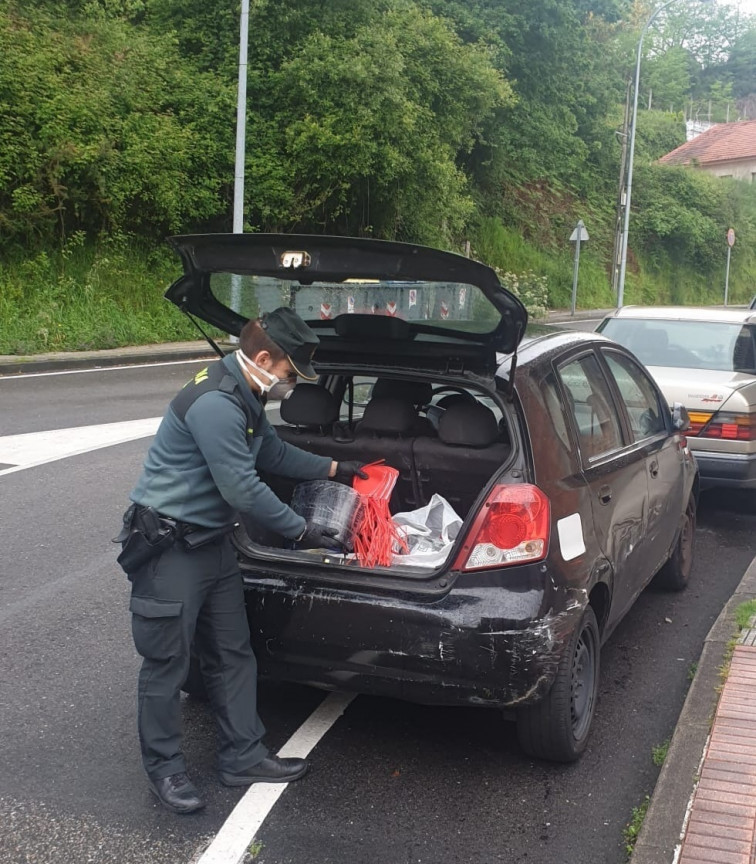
{"x":332,"y":505}
{"x":429,"y":533}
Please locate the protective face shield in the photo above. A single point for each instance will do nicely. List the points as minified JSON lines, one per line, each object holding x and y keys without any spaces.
{"x":265,"y":387}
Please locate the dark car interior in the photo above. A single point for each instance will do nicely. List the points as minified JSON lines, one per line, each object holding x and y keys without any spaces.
{"x":450,"y":443}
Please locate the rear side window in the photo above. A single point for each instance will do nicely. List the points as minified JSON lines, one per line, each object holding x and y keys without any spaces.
{"x":639,"y":395}
{"x":553,"y":403}
{"x":591,"y":405}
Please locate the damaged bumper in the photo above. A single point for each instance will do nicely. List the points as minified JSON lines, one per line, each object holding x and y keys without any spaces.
{"x":483,"y":646}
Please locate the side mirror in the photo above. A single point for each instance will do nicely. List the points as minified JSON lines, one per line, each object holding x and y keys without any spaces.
{"x":680,"y":417}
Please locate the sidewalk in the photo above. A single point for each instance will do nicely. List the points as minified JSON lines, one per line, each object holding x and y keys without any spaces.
{"x":703,"y":809}
{"x":722,"y":823}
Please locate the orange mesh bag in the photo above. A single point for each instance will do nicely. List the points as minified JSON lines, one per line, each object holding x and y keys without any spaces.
{"x":376,"y":536}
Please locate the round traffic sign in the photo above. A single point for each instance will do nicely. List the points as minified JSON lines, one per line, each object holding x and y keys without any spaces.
{"x":731,"y":237}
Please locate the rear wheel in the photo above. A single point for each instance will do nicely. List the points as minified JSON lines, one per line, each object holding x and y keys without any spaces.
{"x":675,"y":574}
{"x":557,"y":728}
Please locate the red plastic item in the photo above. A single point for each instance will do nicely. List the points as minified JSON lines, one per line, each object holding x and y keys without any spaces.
{"x":376,"y":536}
{"x":380,"y":482}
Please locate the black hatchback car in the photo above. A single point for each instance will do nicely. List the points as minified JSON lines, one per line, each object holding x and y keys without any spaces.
{"x":571,"y":477}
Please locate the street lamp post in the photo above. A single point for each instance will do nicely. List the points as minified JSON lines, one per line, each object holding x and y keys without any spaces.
{"x":628,"y":192}
{"x":241,"y":130}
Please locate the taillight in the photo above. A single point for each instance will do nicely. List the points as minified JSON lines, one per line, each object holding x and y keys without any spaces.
{"x":727,"y":426}
{"x":512,"y":527}
{"x":698,"y":419}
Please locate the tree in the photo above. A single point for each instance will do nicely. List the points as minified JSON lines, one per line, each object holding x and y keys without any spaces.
{"x":99,"y":131}
{"x":362,"y":133}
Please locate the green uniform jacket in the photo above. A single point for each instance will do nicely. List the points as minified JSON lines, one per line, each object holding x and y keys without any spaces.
{"x":203,"y":468}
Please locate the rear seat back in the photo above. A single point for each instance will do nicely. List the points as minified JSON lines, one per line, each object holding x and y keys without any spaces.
{"x":310,"y":412}
{"x":385,"y":432}
{"x":462,"y":459}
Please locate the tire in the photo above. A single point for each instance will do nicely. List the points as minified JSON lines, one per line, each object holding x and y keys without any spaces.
{"x":557,"y":728}
{"x":674,"y":575}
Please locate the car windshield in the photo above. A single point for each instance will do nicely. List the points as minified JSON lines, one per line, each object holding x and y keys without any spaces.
{"x":714,"y":345}
{"x":441,"y":304}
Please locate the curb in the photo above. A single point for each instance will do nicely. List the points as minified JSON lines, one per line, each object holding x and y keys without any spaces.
{"x":72,"y":360}
{"x":661,"y":833}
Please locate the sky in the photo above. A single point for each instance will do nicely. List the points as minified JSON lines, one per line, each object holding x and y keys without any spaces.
{"x":748,"y":6}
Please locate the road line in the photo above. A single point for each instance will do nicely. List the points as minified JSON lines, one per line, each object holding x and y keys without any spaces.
{"x":238,"y":831}
{"x":23,"y":376}
{"x":25,"y":450}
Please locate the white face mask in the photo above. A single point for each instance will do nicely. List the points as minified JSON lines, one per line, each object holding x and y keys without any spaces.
{"x":282,"y":390}
{"x":264,"y":388}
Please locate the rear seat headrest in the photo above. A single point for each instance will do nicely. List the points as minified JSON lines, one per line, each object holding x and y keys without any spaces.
{"x":469,"y":425}
{"x":417,"y":392}
{"x":310,"y":405}
{"x":389,"y":416}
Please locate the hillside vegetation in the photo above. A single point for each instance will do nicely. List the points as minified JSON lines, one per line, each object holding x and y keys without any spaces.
{"x":493,"y":122}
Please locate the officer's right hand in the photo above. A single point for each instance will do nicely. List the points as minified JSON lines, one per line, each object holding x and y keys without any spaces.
{"x":318,"y":537}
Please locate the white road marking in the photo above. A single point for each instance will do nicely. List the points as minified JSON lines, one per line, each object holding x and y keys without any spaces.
{"x":37,"y":448}
{"x":238,"y":831}
{"x":23,"y":376}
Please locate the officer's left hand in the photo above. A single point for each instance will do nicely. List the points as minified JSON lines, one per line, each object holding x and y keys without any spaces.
{"x":347,"y":471}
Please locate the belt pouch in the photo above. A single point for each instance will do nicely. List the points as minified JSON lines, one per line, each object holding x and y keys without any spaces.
{"x":194,"y":539}
{"x":137,"y":550}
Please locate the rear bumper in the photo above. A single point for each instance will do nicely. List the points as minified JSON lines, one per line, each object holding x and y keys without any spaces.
{"x":489,"y":647}
{"x":726,"y":469}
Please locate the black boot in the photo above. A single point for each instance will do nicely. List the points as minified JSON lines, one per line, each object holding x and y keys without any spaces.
{"x":272,"y":769}
{"x":177,"y":793}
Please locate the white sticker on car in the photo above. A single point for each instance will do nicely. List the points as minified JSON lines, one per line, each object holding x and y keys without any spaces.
{"x":570,"y":530}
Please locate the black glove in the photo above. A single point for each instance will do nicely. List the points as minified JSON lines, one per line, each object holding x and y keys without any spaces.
{"x":346,"y":471}
{"x":318,"y":537}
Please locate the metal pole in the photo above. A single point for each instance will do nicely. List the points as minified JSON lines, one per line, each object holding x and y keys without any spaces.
{"x":241,"y":120}
{"x":241,"y":129}
{"x":577,"y":266}
{"x":727,"y":273}
{"x":628,"y":195}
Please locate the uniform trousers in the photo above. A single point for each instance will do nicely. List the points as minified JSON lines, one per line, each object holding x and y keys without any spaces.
{"x":180,"y":598}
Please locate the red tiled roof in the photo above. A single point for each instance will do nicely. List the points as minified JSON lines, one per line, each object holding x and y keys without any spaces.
{"x":724,"y":142}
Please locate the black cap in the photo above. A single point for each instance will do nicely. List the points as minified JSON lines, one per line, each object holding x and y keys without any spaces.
{"x":291,"y":334}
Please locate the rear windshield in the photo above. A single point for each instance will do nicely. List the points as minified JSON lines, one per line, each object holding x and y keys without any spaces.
{"x":687,"y":344}
{"x":442,"y":304}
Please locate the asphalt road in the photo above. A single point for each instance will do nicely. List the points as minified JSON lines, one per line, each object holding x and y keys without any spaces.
{"x":390,"y":782}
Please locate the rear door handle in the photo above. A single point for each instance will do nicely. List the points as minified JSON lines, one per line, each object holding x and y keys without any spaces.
{"x":605,"y":494}
{"x":653,"y":469}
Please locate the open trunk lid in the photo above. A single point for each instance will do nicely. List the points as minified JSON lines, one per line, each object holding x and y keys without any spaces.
{"x":371,"y":302}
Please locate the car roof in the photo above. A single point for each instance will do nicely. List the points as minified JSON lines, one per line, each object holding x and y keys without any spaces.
{"x":537,"y":349}
{"x":716,"y":314}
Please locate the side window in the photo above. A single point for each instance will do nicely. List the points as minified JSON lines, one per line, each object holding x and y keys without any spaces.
{"x":639,"y":396}
{"x":591,"y":405}
{"x":553,"y":403}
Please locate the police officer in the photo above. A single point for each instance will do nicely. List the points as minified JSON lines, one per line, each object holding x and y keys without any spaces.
{"x":186,"y":586}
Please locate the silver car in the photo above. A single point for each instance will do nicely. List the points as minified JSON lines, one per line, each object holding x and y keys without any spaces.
{"x":705,"y":359}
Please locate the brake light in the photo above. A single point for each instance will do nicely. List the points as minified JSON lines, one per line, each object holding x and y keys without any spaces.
{"x":512,"y":527}
{"x":726,"y":426}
